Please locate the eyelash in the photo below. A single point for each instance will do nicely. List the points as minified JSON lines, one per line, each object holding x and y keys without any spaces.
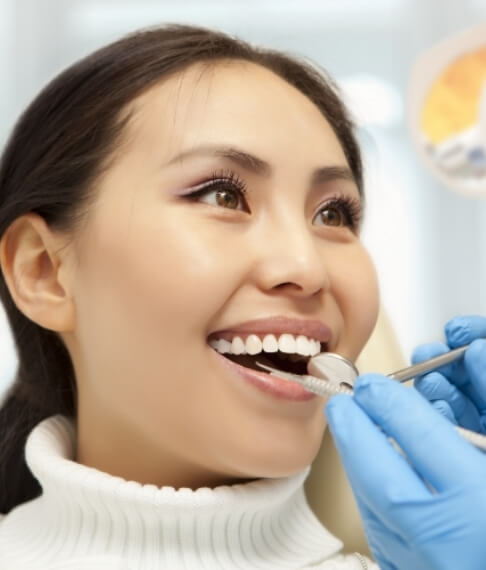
{"x":220,"y":179}
{"x":349,"y":206}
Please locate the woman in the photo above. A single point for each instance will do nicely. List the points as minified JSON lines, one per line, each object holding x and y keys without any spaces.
{"x":174,"y":208}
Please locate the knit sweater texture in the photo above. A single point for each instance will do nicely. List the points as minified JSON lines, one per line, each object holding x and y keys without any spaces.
{"x":86,"y":519}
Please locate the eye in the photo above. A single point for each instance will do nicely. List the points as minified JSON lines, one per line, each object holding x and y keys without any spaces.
{"x":223,"y":191}
{"x":339,"y":212}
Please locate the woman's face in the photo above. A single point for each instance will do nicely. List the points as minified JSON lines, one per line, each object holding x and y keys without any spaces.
{"x":229,"y":212}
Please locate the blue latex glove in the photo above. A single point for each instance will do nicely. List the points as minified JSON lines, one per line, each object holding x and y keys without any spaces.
{"x":458,"y":390}
{"x":425,"y":513}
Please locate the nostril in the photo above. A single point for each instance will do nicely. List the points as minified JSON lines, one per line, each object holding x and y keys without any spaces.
{"x":283,"y":285}
{"x":292,"y":287}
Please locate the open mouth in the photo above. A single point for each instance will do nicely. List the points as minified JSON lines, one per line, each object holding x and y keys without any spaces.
{"x":293,"y":363}
{"x":285,"y":353}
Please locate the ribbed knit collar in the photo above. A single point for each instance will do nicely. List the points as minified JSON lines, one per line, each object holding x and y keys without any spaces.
{"x":85,"y":512}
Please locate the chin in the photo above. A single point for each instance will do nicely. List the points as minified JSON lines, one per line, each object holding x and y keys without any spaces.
{"x":282,"y":463}
{"x":282,"y":470}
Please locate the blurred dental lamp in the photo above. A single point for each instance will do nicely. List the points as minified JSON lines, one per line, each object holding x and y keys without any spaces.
{"x":447,"y":110}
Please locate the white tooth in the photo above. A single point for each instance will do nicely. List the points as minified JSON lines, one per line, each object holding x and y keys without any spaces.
{"x":270,"y":343}
{"x":237,"y":345}
{"x":286,"y":343}
{"x":253,"y":344}
{"x":224,"y":346}
{"x":214,"y":343}
{"x":316,"y":347}
{"x":303,"y":345}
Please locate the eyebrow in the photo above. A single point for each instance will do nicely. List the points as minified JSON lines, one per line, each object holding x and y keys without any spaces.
{"x":258,"y":166}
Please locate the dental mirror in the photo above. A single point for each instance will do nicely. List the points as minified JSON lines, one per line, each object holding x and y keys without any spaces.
{"x":447,"y":110}
{"x":334,"y":367}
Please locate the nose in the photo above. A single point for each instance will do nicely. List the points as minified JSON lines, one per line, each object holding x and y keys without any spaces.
{"x":291,"y":259}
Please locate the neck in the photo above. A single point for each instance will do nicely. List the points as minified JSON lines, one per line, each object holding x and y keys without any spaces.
{"x":83,"y":511}
{"x":126,"y":457}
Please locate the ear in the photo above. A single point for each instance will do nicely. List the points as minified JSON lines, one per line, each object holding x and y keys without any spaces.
{"x":35,"y":266}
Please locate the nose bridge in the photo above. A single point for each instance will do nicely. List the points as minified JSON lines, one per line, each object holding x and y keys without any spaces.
{"x":291,"y":254}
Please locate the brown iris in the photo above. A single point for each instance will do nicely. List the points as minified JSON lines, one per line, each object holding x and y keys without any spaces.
{"x":227,"y":199}
{"x":332,"y":216}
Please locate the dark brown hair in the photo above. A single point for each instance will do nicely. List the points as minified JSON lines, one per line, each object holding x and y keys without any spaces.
{"x":50,"y":165}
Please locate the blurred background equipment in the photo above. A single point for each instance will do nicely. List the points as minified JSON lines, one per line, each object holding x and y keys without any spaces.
{"x":447,"y":118}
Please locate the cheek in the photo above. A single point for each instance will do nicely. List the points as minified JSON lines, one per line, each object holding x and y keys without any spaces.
{"x":157,"y":277}
{"x":145,"y":297}
{"x":355,"y":287}
{"x":187,"y":273}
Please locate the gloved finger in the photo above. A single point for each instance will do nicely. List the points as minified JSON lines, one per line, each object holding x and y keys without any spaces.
{"x":435,"y":386}
{"x":469,"y":378}
{"x":475,"y":366}
{"x":443,"y":408}
{"x":428,"y":350}
{"x":464,"y":329}
{"x":376,"y":471}
{"x":469,"y":374}
{"x":434,"y":448}
{"x":452,"y":370}
{"x":392,"y":545}
{"x":385,"y":545}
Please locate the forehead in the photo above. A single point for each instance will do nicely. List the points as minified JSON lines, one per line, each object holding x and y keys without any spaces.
{"x":232,"y":102}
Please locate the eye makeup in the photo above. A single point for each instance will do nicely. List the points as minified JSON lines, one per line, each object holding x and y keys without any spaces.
{"x":347,"y":209}
{"x":230,"y":191}
{"x":227,"y":178}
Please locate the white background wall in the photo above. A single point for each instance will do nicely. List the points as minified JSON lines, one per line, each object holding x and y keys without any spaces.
{"x":428,"y":243}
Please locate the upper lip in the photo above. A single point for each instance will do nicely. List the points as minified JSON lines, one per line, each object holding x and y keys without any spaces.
{"x":311,"y":328}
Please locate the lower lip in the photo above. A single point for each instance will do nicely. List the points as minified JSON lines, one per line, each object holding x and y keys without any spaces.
{"x":277,"y":387}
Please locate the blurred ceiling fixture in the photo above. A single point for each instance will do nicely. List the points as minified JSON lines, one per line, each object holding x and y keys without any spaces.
{"x":447,"y":110}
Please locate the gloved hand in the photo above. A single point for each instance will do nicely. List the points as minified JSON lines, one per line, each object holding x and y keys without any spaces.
{"x":458,"y":390}
{"x":427,"y":513}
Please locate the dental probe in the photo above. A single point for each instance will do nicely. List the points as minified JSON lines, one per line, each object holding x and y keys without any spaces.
{"x":327,"y":386}
{"x":428,"y":365}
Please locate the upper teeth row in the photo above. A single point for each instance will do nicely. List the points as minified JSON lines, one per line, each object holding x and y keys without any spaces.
{"x":254,"y":344}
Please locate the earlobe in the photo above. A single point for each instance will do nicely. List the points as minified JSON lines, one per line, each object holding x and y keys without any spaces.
{"x":35,"y":271}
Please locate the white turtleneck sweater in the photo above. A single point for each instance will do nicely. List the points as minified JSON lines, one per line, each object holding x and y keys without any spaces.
{"x":89,"y":520}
